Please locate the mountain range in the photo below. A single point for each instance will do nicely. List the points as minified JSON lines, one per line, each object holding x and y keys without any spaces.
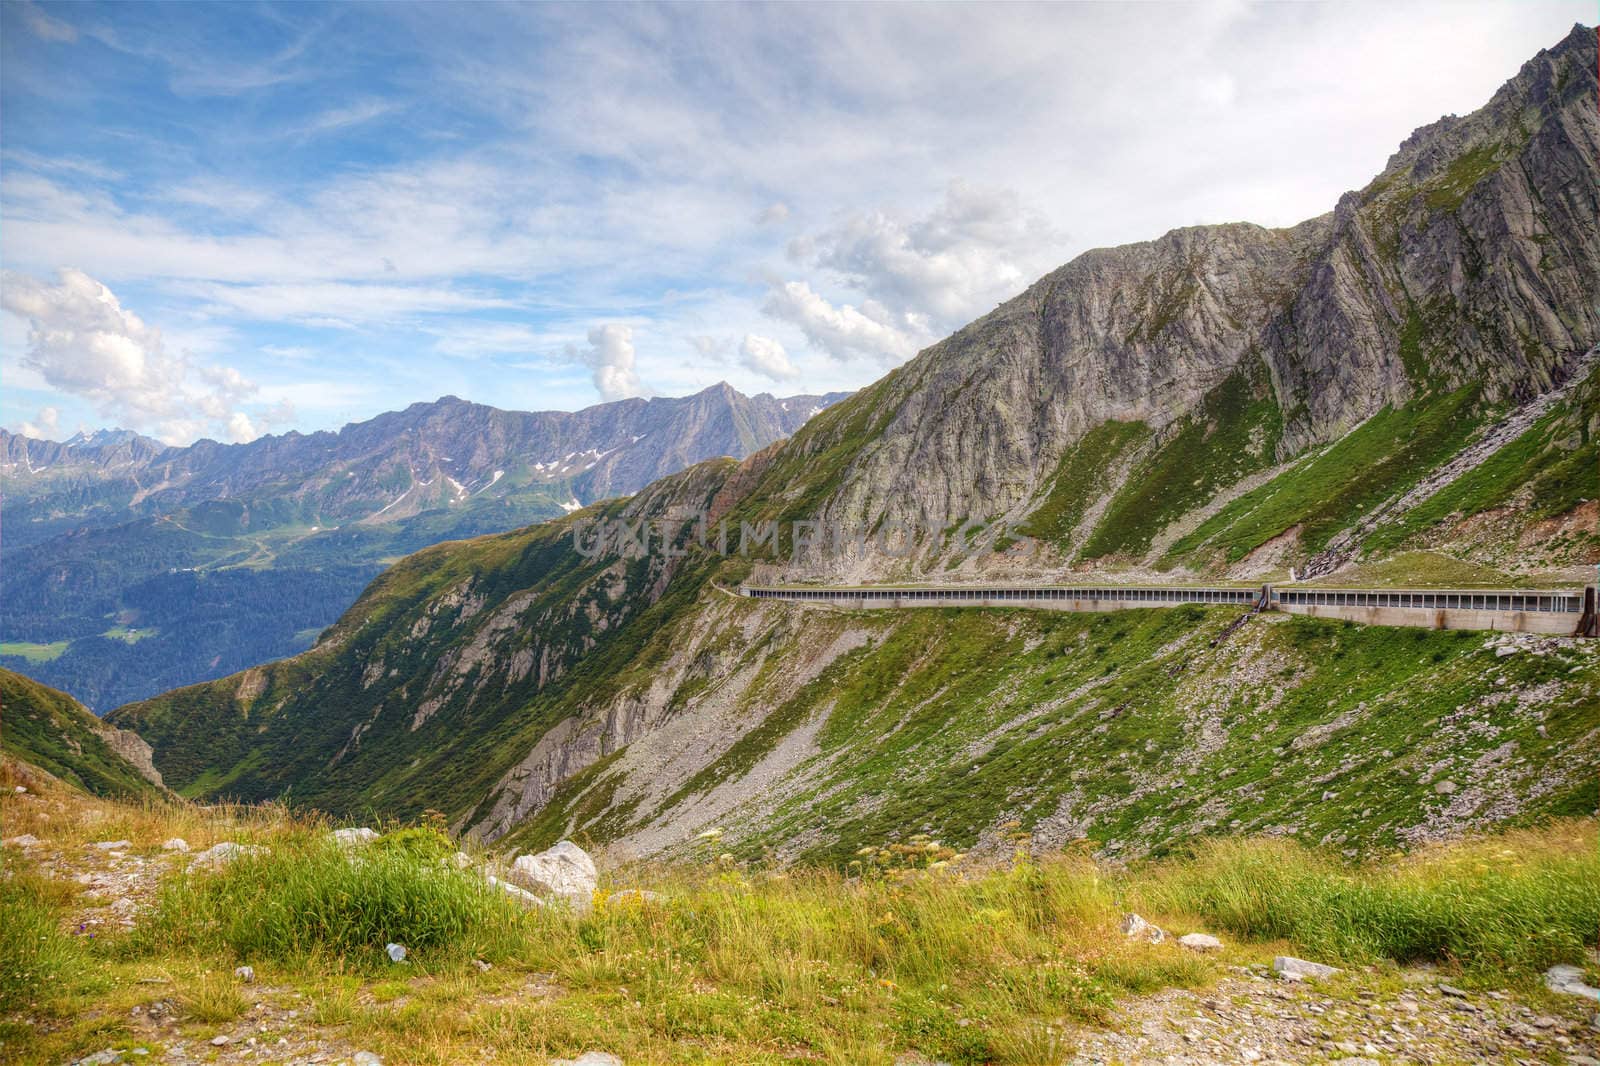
{"x":130,"y":567}
{"x":1402,"y":389}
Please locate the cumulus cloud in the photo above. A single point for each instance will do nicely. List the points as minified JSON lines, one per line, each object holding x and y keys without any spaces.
{"x":766,"y":357}
{"x":83,"y":342}
{"x":918,"y":278}
{"x":974,"y":249}
{"x":610,"y":358}
{"x":845,"y":331}
{"x":45,"y":424}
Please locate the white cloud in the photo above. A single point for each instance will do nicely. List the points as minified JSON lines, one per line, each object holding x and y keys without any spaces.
{"x":83,"y":342}
{"x":766,"y":357}
{"x":610,"y":358}
{"x":773,"y":214}
{"x":44,"y":425}
{"x":975,"y":248}
{"x":918,"y":278}
{"x":845,"y":331}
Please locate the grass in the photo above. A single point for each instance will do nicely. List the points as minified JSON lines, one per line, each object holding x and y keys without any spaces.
{"x":1330,"y":489}
{"x":305,"y":896}
{"x":33,"y":653}
{"x":1081,"y":476}
{"x":1513,"y":904}
{"x":35,"y":955}
{"x":913,"y":948}
{"x":129,"y":636}
{"x":1234,"y":433}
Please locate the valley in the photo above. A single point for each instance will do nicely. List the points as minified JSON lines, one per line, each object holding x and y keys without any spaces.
{"x":131,"y":568}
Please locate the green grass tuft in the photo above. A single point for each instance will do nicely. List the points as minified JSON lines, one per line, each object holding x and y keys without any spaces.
{"x":306,"y":897}
{"x":1509,"y":905}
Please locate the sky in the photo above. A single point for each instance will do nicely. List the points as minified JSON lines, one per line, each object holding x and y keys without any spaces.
{"x":220,"y":221}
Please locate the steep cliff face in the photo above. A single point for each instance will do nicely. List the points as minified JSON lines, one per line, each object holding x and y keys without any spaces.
{"x":1403,"y":374}
{"x":1474,"y":258}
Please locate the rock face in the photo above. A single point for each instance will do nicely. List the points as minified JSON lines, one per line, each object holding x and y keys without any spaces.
{"x":1474,"y":256}
{"x":564,"y":872}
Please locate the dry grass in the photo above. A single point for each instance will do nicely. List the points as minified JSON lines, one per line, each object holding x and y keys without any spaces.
{"x":1001,"y":964}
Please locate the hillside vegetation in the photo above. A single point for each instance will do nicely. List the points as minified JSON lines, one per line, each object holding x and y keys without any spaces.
{"x":913,"y":949}
{"x":55,"y":733}
{"x":1359,"y":395}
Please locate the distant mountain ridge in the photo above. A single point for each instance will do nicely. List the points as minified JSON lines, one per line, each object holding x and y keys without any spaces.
{"x":130,"y":566}
{"x":450,"y":446}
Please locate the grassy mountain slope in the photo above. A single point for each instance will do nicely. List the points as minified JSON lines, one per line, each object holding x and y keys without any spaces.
{"x":54,"y":732}
{"x":1129,"y":729}
{"x":1233,"y":384}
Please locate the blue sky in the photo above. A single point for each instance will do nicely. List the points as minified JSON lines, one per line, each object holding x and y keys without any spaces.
{"x":234,"y":219}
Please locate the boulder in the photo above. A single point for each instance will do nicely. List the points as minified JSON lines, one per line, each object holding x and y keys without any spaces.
{"x":247,"y":974}
{"x":358,"y":837}
{"x":521,"y":895}
{"x":175,"y":844}
{"x":1136,"y":928}
{"x":1299,"y":969}
{"x":564,"y":872}
{"x":219,"y":855}
{"x":26,"y":840}
{"x":1201,"y":942}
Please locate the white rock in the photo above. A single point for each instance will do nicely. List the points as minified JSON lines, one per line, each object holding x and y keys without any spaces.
{"x":220,"y":1039}
{"x":112,"y":845}
{"x":175,"y":844}
{"x":1502,"y":651}
{"x":396,"y":952}
{"x":366,"y":1058}
{"x":358,"y":837}
{"x":247,"y":974}
{"x":1569,"y":980}
{"x":26,"y":840}
{"x":564,"y":872}
{"x":1203,"y":942}
{"x":521,"y":895}
{"x":1299,"y":969}
{"x":1136,"y":928}
{"x":1445,"y":788}
{"x":590,"y":1058}
{"x":219,"y":855}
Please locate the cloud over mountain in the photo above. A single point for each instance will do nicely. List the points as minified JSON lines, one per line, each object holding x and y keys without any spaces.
{"x":83,"y":342}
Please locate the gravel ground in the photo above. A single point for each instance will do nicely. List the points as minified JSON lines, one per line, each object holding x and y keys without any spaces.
{"x":1410,"y":1017}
